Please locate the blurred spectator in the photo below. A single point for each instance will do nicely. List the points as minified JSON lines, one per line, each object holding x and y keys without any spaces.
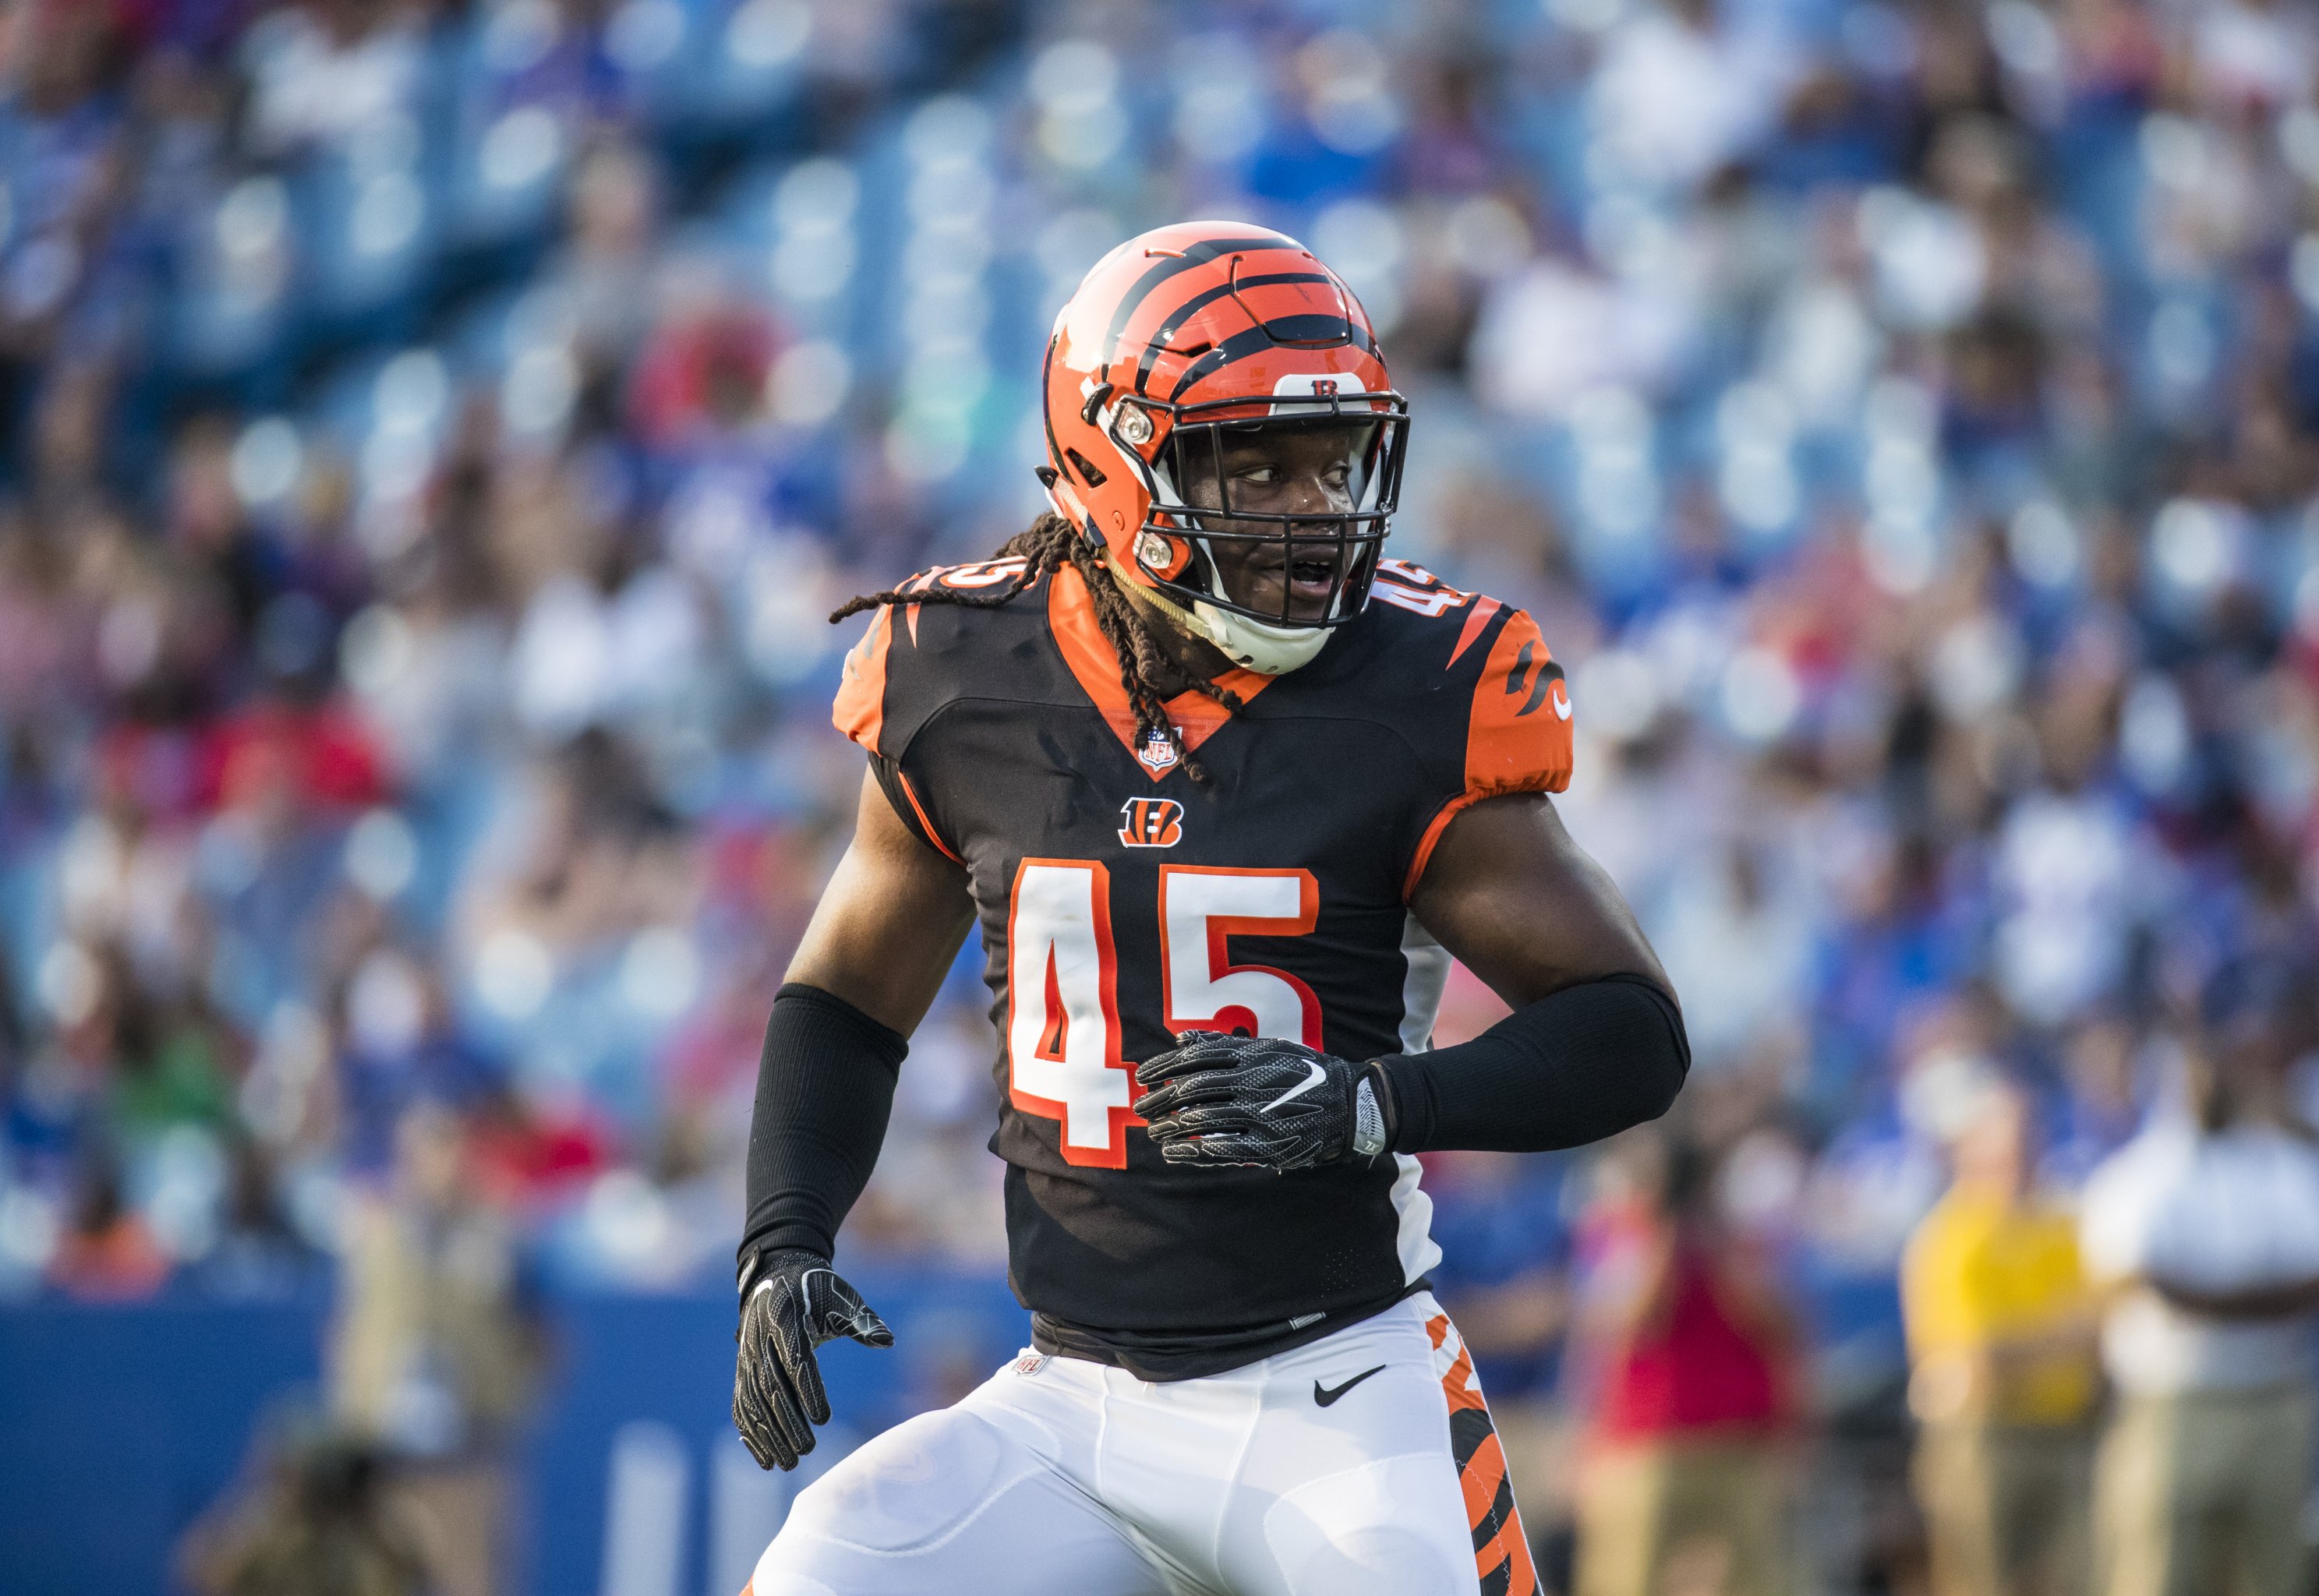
{"x":331,"y":69}
{"x":437,"y":1352}
{"x":2206,"y":1228}
{"x":107,"y":1254}
{"x":607,"y":267}
{"x":2001,"y":1336}
{"x":258,"y":1253}
{"x":62,"y":148}
{"x":315,"y":1523}
{"x":1691,"y":1357}
{"x":1505,"y":1278}
{"x":1743,"y":1004}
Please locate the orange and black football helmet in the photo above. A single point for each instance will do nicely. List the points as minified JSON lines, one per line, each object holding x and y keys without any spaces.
{"x":1181,"y":338}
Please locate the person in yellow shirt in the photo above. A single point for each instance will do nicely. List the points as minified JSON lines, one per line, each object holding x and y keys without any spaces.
{"x":2002,"y":1381}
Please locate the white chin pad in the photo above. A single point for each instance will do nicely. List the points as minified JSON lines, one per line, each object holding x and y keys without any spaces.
{"x":1253,"y":646}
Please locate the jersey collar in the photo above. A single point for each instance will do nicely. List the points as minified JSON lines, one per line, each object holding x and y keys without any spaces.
{"x":1070,"y":616}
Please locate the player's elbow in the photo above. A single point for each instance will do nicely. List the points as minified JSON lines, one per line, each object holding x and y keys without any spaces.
{"x":1657,"y":1081}
{"x":1587,"y":1062}
{"x":1638,"y":1086}
{"x":1658,"y":1054}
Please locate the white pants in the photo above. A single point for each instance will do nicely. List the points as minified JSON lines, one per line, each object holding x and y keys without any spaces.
{"x":1058,"y":1477}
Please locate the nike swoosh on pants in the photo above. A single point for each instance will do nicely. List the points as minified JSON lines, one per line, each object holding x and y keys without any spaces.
{"x":1327,"y":1394}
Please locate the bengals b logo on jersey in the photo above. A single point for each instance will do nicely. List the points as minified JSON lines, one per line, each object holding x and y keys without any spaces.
{"x":1150,"y":823}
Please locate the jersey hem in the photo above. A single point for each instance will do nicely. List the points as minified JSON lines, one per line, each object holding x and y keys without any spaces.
{"x":1162,"y":1358}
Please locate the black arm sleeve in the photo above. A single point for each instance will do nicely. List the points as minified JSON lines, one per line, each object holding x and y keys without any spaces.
{"x":825,"y":1087}
{"x":1584,"y":1064}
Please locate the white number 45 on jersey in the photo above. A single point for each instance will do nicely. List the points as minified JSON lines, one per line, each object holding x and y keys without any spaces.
{"x":1062,"y":985}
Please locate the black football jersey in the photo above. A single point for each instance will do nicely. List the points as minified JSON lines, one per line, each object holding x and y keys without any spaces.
{"x":1122,"y":903}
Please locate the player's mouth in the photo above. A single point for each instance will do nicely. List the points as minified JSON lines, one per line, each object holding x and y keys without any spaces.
{"x":1310,"y":580}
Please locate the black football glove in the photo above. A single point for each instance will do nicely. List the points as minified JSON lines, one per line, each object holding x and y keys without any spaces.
{"x":791,"y":1302}
{"x":1278,"y":1104}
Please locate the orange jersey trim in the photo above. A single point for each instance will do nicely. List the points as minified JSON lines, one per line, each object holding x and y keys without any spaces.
{"x":860,"y":710}
{"x":910,"y":612}
{"x":1433,"y":830}
{"x":1070,"y":615}
{"x":926,"y":823}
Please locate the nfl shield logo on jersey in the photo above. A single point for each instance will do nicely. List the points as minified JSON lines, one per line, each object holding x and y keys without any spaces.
{"x":1150,"y":823}
{"x":1158,"y":754}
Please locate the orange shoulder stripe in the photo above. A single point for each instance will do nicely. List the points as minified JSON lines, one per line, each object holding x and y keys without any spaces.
{"x":1476,"y":618}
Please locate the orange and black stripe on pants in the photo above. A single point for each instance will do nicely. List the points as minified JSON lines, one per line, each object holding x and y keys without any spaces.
{"x":1500,"y":1549}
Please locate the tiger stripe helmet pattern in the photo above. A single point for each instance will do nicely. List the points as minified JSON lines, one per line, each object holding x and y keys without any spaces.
{"x":1173,"y":338}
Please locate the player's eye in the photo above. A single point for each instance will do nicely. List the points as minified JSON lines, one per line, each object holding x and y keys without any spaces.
{"x":1258,"y":473}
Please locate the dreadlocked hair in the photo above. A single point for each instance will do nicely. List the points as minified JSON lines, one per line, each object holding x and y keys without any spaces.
{"x":1050,"y":542}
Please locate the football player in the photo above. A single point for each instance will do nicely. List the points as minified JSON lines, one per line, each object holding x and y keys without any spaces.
{"x":1224,"y":789}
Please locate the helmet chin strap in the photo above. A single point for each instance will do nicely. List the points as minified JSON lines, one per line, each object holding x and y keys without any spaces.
{"x":1250,"y":645}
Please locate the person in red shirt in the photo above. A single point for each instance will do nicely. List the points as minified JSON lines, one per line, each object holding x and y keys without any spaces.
{"x":106,"y":1254}
{"x":1690,"y":1352}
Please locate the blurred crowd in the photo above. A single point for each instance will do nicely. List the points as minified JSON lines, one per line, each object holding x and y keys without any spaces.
{"x":433,"y":431}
